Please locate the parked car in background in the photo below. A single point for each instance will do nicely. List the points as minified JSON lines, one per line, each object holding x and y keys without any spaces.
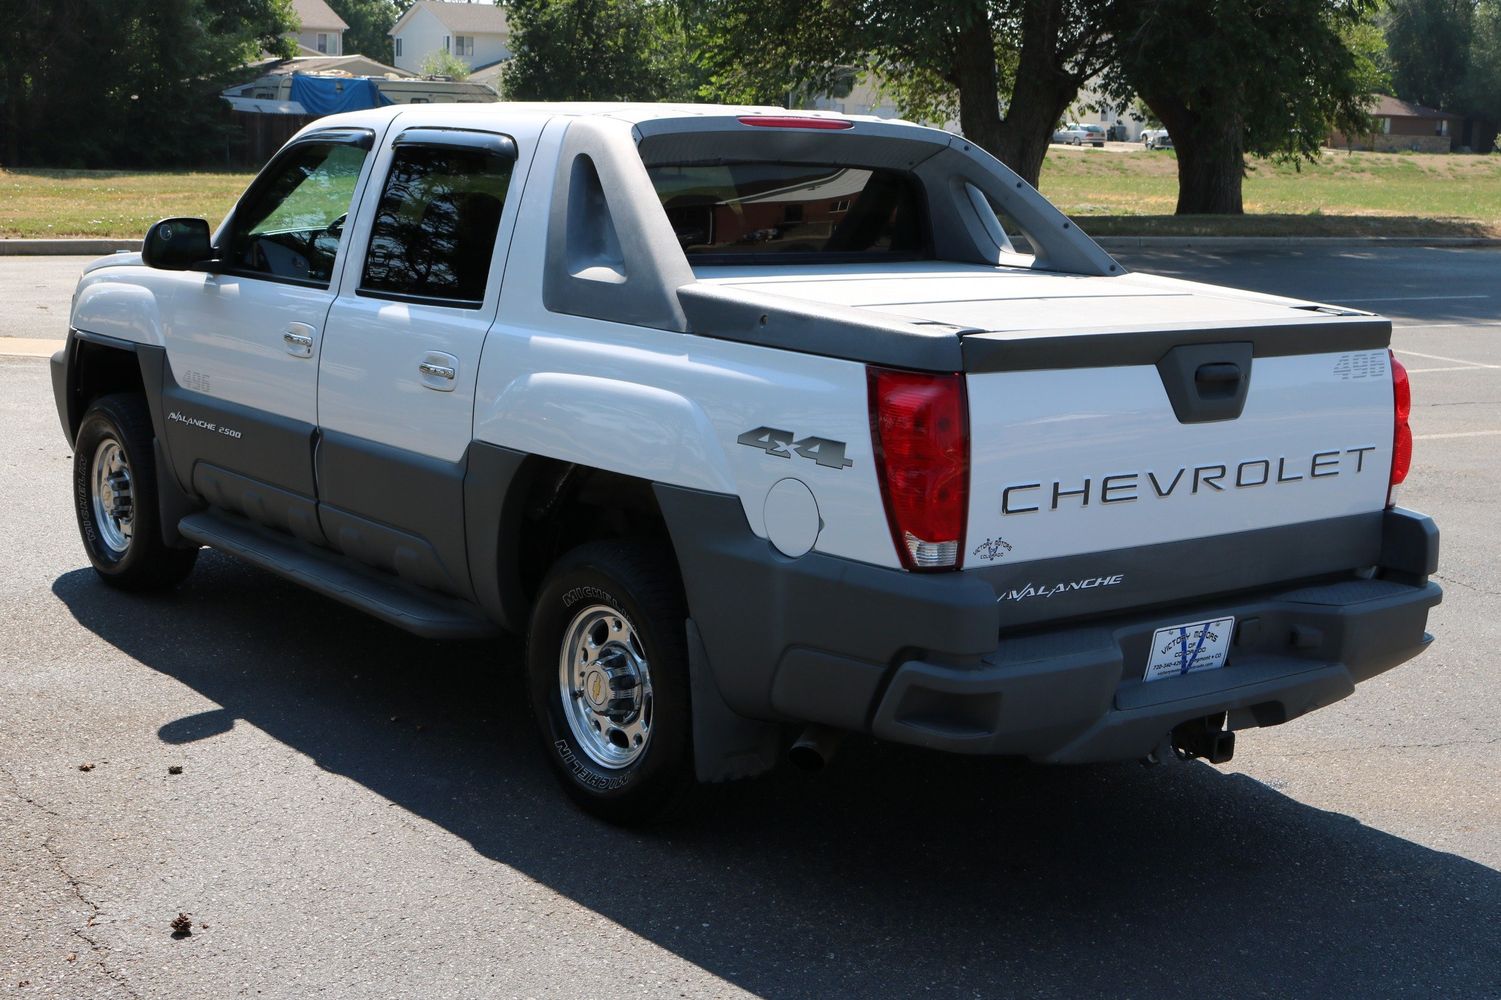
{"x":1092,"y":134}
{"x":1071,"y":134}
{"x":1156,"y":138}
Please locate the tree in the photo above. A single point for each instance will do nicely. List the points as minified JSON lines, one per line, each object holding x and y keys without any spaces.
{"x":128,"y":82}
{"x":1429,"y":45}
{"x":445,"y":64}
{"x":370,"y":22}
{"x":598,"y":50}
{"x":1231,"y":77}
{"x":1482,"y":97}
{"x":1009,"y":67}
{"x":1447,"y":54}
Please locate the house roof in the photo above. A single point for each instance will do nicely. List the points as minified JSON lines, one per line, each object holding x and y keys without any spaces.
{"x":1389,"y":107}
{"x":465,"y":18}
{"x":318,"y":14}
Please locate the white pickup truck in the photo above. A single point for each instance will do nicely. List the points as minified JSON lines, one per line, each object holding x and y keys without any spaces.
{"x":763,"y":428}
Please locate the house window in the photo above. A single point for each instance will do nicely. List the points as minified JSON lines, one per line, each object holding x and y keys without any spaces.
{"x":398,"y":48}
{"x":463,"y":46}
{"x":1386,"y":126}
{"x":1443,"y":126}
{"x":447,"y":44}
{"x":323,"y":43}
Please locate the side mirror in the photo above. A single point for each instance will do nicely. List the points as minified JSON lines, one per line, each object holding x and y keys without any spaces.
{"x":177,"y":245}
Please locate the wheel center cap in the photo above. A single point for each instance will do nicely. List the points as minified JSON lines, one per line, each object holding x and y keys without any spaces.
{"x":597,"y":688}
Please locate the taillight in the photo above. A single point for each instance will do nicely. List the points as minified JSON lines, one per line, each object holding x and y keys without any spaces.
{"x":919,"y":424}
{"x":1401,"y":432}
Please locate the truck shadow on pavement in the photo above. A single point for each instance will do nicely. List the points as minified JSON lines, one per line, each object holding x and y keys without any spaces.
{"x":894,"y":872}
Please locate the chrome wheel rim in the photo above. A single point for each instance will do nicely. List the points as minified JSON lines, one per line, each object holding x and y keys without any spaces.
{"x":605,"y":684}
{"x":111,"y":496}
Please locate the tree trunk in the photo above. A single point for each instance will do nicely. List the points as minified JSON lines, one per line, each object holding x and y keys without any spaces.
{"x":978,"y":83}
{"x":1210,"y":147}
{"x":13,"y":83}
{"x":1040,"y":95}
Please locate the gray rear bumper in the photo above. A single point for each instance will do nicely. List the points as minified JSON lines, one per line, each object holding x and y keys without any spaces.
{"x":924,"y":658}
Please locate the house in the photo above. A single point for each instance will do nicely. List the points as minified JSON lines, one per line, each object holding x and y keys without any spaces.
{"x":477,"y":33}
{"x":1403,"y":126}
{"x":1092,"y":106}
{"x":322,"y":31}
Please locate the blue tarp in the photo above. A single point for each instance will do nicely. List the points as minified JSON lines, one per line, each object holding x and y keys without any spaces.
{"x":323,"y":95}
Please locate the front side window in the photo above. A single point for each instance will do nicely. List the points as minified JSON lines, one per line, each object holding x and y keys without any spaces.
{"x":821,"y":212}
{"x":291,"y":222}
{"x":434,"y":231}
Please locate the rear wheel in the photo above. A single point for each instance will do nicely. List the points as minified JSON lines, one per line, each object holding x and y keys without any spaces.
{"x":607,"y":666}
{"x":114,"y":497}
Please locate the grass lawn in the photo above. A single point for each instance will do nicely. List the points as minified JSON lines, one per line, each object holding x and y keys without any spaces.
{"x":1342,"y":194}
{"x":1112,"y":193}
{"x":43,"y":203}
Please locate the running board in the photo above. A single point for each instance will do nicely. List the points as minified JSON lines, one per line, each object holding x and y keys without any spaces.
{"x":339,"y":577}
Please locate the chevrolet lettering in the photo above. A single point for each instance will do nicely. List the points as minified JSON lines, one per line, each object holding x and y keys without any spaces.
{"x":760,"y":426}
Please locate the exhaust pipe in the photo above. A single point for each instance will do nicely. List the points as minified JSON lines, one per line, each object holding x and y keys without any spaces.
{"x":813,"y":749}
{"x":1206,"y":738}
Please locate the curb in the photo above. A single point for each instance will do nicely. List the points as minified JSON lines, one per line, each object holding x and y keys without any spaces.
{"x":1115,"y":243}
{"x":87,"y":247}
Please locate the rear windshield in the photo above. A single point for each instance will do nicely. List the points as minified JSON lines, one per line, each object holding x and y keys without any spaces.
{"x":744,"y":212}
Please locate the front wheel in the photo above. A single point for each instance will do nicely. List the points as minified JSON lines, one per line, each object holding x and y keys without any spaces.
{"x":114,"y":497}
{"x":607,"y":665}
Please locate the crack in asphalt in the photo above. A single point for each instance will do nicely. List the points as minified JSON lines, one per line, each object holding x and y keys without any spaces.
{"x":1467,"y":586}
{"x":99,"y":950}
{"x":16,"y":787}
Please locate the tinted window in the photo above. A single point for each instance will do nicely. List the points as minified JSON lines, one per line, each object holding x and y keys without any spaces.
{"x":290,"y":223}
{"x":435,"y":226}
{"x":747,"y":210}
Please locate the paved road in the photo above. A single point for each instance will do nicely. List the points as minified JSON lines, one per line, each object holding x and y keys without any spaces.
{"x":364,"y":814}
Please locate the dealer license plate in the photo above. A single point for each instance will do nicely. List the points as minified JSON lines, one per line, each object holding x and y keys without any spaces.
{"x":1188,"y":649}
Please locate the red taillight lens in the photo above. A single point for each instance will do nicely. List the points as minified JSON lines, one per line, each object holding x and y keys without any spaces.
{"x":794,"y":121}
{"x":919,"y":423}
{"x":1401,"y":432}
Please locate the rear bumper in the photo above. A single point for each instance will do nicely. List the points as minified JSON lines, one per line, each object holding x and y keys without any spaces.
{"x":1075,"y":695}
{"x":924,"y":659}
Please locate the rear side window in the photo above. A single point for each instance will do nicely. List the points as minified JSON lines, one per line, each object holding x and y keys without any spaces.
{"x":783,"y":211}
{"x":434,"y":231}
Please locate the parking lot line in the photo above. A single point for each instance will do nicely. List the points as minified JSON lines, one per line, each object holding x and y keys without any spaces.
{"x":1456,"y":434}
{"x":1440,"y":357}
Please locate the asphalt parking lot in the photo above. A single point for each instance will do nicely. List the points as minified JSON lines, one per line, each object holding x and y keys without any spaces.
{"x":361,"y":813}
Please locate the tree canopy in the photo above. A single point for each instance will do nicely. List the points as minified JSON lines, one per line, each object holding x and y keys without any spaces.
{"x":126,"y":83}
{"x":369,"y":23}
{"x":1447,"y":54}
{"x":598,"y":50}
{"x":1008,"y":67}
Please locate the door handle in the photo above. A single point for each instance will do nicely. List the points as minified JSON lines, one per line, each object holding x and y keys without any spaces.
{"x":298,"y":340}
{"x":438,"y":371}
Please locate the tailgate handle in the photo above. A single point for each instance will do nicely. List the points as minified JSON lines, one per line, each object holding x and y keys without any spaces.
{"x":1207,"y":382}
{"x":1218,"y":379}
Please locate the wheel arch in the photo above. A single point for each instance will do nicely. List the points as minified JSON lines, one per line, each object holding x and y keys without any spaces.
{"x":523,"y":511}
